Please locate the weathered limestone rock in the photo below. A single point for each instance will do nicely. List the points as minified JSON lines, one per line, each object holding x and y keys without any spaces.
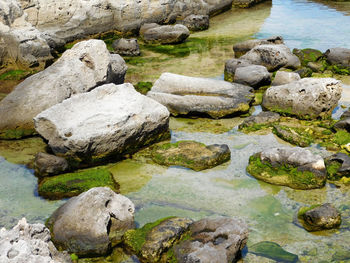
{"x":273,"y":57}
{"x":217,"y":240}
{"x":126,"y":47}
{"x":232,"y":65}
{"x":190,"y":95}
{"x":319,"y":217}
{"x":168,"y":34}
{"x":80,"y":69}
{"x":85,"y":224}
{"x":307,"y":98}
{"x":264,"y":117}
{"x":295,"y":167}
{"x":339,"y":57}
{"x":243,"y":47}
{"x":196,"y":22}
{"x":29,"y":243}
{"x":254,"y":76}
{"x":283,"y":77}
{"x":48,"y":164}
{"x":108,"y":122}
{"x":191,"y":154}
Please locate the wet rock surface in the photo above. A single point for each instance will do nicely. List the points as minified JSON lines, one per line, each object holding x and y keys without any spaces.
{"x":254,"y":76}
{"x":48,"y":164}
{"x":262,"y":118}
{"x":86,"y":224}
{"x":196,"y":22}
{"x":283,"y":77}
{"x":273,"y":251}
{"x":111,"y":120}
{"x":126,"y":47}
{"x":29,"y":243}
{"x":184,"y":95}
{"x":307,"y":98}
{"x":191,"y":154}
{"x":307,"y":55}
{"x":295,"y":167}
{"x":321,"y":217}
{"x":168,"y":34}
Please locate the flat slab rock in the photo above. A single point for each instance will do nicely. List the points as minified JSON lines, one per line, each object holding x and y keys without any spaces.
{"x":29,"y":243}
{"x":84,"y":224}
{"x":107,"y":122}
{"x":307,"y":98}
{"x":263,"y":117}
{"x":184,"y":95}
{"x":191,"y":154}
{"x":168,"y":34}
{"x":296,"y":167}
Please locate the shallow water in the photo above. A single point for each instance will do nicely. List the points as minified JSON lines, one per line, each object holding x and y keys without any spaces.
{"x":225,"y":190}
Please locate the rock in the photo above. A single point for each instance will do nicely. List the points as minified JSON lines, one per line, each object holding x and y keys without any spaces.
{"x":304,"y":72}
{"x":308,"y":98}
{"x":338,"y":165}
{"x":339,"y":57}
{"x":307,"y":55}
{"x":294,"y":167}
{"x":320,"y":217}
{"x":263,"y":118}
{"x":243,"y":47}
{"x":316,"y":66}
{"x":191,"y":154}
{"x":184,"y":95}
{"x":168,"y":34}
{"x":273,"y":251}
{"x":79,"y":70}
{"x":217,"y":240}
{"x":153,"y":239}
{"x":290,"y":135}
{"x":273,"y":57}
{"x":73,"y":184}
{"x":343,"y":124}
{"x":246,"y":3}
{"x":48,"y":165}
{"x":85,"y":224}
{"x":283,"y":77}
{"x":196,"y":22}
{"x":254,"y":76}
{"x":108,"y":122}
{"x":126,"y":47}
{"x":29,"y":243}
{"x":231,"y":65}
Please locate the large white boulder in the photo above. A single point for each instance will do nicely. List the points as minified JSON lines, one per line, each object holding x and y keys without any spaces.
{"x":110,"y":121}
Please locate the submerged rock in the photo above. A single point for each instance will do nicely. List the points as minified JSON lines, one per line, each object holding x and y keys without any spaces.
{"x":48,"y":164}
{"x":79,"y":70}
{"x":295,"y":167}
{"x":243,"y":47}
{"x":29,"y":243}
{"x":273,"y":251}
{"x":308,"y":98}
{"x":254,"y":76}
{"x":108,"y":122}
{"x":196,"y":22}
{"x":88,"y":224}
{"x":320,"y":217}
{"x":168,"y":34}
{"x":273,"y":57}
{"x":126,"y":47}
{"x":184,"y":95}
{"x":191,"y":154}
{"x":283,"y":77}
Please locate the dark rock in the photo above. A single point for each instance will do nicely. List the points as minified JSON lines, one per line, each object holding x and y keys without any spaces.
{"x":196,"y":22}
{"x":307,"y":55}
{"x":47,"y":165}
{"x":304,"y":72}
{"x":343,"y":124}
{"x":169,"y":34}
{"x":316,"y":66}
{"x":243,"y":47}
{"x":126,"y":47}
{"x":191,"y":154}
{"x":338,"y":165}
{"x":283,"y":77}
{"x":321,"y":217}
{"x":338,"y":56}
{"x":254,"y":76}
{"x":273,"y":251}
{"x":264,"y":117}
{"x":231,"y":66}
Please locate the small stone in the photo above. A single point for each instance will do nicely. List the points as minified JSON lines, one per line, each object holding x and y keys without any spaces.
{"x":126,"y":47}
{"x":48,"y":165}
{"x":168,"y":34}
{"x":283,"y":77}
{"x":196,"y":22}
{"x":232,"y":65}
{"x":243,"y":47}
{"x":254,"y":76}
{"x":264,"y":117}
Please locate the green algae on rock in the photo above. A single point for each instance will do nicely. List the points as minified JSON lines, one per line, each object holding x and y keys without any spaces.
{"x":307,"y":55}
{"x":273,"y":251}
{"x":191,"y":154}
{"x":143,"y":87}
{"x":14,"y":134}
{"x":73,"y":184}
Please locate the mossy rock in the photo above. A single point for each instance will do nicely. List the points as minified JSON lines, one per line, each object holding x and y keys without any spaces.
{"x":307,"y":55}
{"x":286,"y":175}
{"x":15,"y":134}
{"x":273,"y":251}
{"x":73,"y":184}
{"x":191,"y":154}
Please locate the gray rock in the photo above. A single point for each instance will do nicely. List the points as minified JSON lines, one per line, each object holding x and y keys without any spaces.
{"x":108,"y":122}
{"x":344,"y":159}
{"x":304,"y":72}
{"x":169,"y":34}
{"x":273,"y":57}
{"x":343,"y":124}
{"x":196,"y":22}
{"x":243,"y":47}
{"x":84,"y":224}
{"x":322,"y":217}
{"x":283,"y":77}
{"x":126,"y":47}
{"x":338,"y":56}
{"x":307,"y":98}
{"x":47,"y":165}
{"x":80,"y":69}
{"x":29,"y":243}
{"x":316,"y":66}
{"x":184,"y":95}
{"x":254,"y":76}
{"x":232,"y":65}
{"x":264,"y":117}
{"x":213,"y":241}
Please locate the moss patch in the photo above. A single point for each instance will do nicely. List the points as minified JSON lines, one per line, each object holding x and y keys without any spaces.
{"x":305,"y":209}
{"x":15,"y":75}
{"x":72,"y":184}
{"x":14,"y":134}
{"x":332,"y":170}
{"x":143,"y":87}
{"x":273,"y":251}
